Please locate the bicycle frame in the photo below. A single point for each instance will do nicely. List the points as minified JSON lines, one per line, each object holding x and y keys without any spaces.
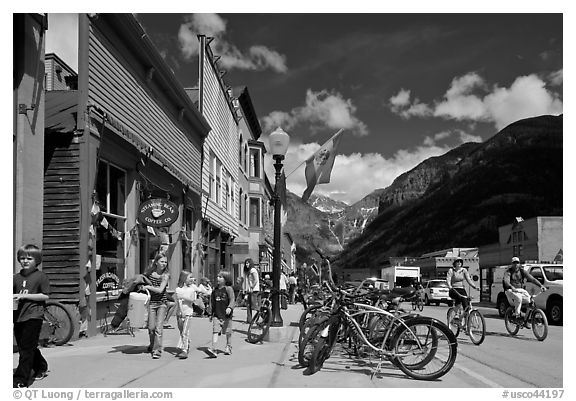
{"x":394,"y":323}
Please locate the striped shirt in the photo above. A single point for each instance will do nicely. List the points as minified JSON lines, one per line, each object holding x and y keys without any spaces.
{"x":157,"y":298}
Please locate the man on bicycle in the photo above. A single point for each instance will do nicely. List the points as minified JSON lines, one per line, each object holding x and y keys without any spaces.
{"x":513,"y":283}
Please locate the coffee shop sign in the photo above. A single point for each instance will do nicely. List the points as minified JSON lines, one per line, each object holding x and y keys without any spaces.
{"x":158,"y":212}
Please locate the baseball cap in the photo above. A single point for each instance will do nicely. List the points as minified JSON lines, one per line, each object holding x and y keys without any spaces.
{"x":515,"y":259}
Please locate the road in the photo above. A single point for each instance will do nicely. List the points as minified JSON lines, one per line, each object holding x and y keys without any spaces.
{"x":122,"y":362}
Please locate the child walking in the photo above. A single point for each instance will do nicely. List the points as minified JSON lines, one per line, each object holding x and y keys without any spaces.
{"x":185,"y":295}
{"x":222,"y":301}
{"x":31,"y":290}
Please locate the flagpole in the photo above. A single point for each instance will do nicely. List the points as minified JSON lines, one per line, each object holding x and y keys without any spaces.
{"x":305,"y":160}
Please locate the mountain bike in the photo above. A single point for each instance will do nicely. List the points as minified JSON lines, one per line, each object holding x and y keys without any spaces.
{"x":470,"y":321}
{"x":57,"y":326}
{"x":423,"y":348}
{"x":260,"y":324}
{"x":534,"y":318}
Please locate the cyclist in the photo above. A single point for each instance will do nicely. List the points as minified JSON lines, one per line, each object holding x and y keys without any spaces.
{"x":455,"y":279}
{"x":513,"y":283}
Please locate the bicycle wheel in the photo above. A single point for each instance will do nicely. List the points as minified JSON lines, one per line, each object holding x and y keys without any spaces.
{"x":425,"y":348}
{"x":476,"y":327}
{"x":306,"y":346}
{"x":511,"y":323}
{"x":539,"y":324}
{"x":259,"y":326}
{"x":324,"y":345}
{"x":57,"y":323}
{"x":321,"y":352}
{"x":453,"y":323}
{"x":307,"y":314}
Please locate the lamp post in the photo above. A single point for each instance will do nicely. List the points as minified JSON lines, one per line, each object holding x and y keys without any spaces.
{"x":279,"y":141}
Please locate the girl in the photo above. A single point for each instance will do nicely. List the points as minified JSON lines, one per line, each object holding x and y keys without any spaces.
{"x":222,"y":301}
{"x":185,"y":296}
{"x":158,"y":276}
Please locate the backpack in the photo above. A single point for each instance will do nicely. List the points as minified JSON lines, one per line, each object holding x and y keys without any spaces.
{"x":507,"y":287}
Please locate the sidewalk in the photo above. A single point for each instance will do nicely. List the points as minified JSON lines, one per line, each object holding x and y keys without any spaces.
{"x":116,"y":361}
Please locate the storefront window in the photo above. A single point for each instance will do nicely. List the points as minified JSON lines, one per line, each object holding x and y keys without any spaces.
{"x":111,"y":196}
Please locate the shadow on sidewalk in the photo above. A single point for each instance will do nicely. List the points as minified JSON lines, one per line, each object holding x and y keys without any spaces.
{"x":130,"y":349}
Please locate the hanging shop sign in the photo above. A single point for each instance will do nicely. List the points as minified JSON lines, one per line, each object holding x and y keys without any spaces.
{"x":158,"y":213}
{"x":107,"y":282}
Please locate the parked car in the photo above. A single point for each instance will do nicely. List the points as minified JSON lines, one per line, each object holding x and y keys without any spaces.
{"x":436,"y":291}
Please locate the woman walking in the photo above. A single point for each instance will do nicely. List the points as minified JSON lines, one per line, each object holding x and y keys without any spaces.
{"x":158,"y":276}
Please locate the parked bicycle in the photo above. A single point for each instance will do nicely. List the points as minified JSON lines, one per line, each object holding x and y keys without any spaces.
{"x":260,"y":324}
{"x":470,"y":321}
{"x":423,"y":348}
{"x":57,"y":326}
{"x":534,"y":318}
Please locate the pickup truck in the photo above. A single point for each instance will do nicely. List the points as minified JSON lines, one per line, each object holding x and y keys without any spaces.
{"x":550,"y":301}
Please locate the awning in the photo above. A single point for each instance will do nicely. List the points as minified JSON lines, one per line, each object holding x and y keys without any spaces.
{"x":61,"y":111}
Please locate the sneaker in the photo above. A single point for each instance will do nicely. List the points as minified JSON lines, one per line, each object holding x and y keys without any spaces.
{"x":211,"y":353}
{"x":19,"y":385}
{"x":228,"y":350}
{"x":182,"y":355}
{"x":40,"y":375}
{"x":156,"y":355}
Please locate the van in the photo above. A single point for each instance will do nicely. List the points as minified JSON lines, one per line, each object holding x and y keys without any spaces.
{"x":549,"y":275}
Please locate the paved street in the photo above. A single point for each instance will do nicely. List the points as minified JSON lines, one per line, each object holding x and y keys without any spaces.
{"x":121,"y":361}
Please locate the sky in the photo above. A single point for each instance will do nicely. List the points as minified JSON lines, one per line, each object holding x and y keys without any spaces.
{"x":403,"y":86}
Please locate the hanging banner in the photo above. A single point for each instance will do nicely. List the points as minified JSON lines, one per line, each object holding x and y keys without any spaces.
{"x":158,"y":213}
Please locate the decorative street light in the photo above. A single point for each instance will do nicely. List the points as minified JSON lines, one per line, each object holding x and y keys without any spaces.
{"x":279,"y":141}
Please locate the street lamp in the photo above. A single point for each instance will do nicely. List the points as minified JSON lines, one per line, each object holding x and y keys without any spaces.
{"x":279,"y":141}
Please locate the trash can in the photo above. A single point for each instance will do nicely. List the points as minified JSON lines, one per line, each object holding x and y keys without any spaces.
{"x":138,"y":309}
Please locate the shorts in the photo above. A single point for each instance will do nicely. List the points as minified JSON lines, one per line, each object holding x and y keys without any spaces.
{"x":222,"y":326}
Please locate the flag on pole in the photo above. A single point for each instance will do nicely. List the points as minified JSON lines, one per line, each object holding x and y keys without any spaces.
{"x":319,"y":165}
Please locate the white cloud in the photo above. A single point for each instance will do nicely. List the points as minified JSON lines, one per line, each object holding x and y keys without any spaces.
{"x":459,"y":103}
{"x":258,"y":58}
{"x":321,"y":110}
{"x":353,"y":176}
{"x":400,"y":104}
{"x":401,"y":99}
{"x":556,"y":78}
{"x":460,"y":135}
{"x":526,"y":97}
{"x":62,"y":37}
{"x":469,"y":98}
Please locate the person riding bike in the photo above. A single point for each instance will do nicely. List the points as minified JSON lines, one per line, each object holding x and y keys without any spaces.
{"x":455,"y":279}
{"x":513,"y":283}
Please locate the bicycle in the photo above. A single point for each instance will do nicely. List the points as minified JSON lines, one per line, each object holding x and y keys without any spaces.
{"x":423,"y":348}
{"x":57,"y":326}
{"x":418,"y":303}
{"x":534,"y":317}
{"x":470,"y":321}
{"x":260,"y":324}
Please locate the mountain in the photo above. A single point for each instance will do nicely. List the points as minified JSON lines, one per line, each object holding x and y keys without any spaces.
{"x":310,"y":228}
{"x":461,"y":198}
{"x":326,"y":204}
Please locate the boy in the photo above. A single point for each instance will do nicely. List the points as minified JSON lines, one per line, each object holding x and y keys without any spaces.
{"x":222,"y":300}
{"x":31,"y":290}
